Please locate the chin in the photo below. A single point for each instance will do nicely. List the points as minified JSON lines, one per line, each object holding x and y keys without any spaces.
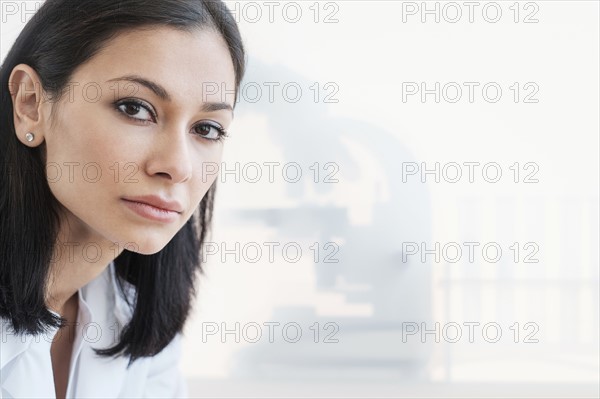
{"x":152,"y":252}
{"x":149,"y":249}
{"x":144,"y":245}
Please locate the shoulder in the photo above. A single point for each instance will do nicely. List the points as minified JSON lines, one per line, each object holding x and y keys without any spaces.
{"x":157,"y":376}
{"x":11,"y":344}
{"x":165,"y":378}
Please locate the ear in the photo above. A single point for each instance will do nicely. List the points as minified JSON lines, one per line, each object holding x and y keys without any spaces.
{"x":29,"y":109}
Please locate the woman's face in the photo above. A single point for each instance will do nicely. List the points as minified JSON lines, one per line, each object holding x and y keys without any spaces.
{"x":103,"y":146}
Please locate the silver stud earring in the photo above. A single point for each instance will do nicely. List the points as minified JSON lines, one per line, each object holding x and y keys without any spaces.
{"x":29,"y":136}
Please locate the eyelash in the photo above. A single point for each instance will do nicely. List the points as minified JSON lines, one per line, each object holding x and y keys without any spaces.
{"x":222,"y":133}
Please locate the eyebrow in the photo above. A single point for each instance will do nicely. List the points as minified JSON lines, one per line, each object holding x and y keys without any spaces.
{"x":164,"y":95}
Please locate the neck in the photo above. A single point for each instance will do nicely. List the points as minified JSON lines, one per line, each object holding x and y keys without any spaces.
{"x":79,"y":257}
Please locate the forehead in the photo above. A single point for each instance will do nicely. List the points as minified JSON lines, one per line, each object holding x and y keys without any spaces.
{"x":183,"y":62}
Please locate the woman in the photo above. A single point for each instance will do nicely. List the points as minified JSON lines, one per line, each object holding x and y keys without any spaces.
{"x":109,"y":116}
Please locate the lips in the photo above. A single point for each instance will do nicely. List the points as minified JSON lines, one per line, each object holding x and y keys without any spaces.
{"x":161,"y":203}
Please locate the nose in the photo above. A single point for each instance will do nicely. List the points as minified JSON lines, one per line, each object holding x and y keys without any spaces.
{"x":171,"y":157}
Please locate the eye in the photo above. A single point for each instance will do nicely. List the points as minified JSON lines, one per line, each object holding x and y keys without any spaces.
{"x":210,"y":131}
{"x":133,"y":107}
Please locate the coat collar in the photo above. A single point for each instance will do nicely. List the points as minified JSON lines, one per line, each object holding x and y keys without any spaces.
{"x":110,"y":313}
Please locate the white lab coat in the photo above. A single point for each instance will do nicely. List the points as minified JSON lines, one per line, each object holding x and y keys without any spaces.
{"x":26,"y":366}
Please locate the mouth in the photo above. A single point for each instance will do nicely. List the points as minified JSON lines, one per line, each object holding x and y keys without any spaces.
{"x":151,"y":212}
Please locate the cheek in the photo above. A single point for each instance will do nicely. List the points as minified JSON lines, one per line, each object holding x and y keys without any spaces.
{"x":84,"y":161}
{"x":86,"y":136}
{"x":78,"y":135}
{"x":205,"y":173}
{"x":210,"y":163}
